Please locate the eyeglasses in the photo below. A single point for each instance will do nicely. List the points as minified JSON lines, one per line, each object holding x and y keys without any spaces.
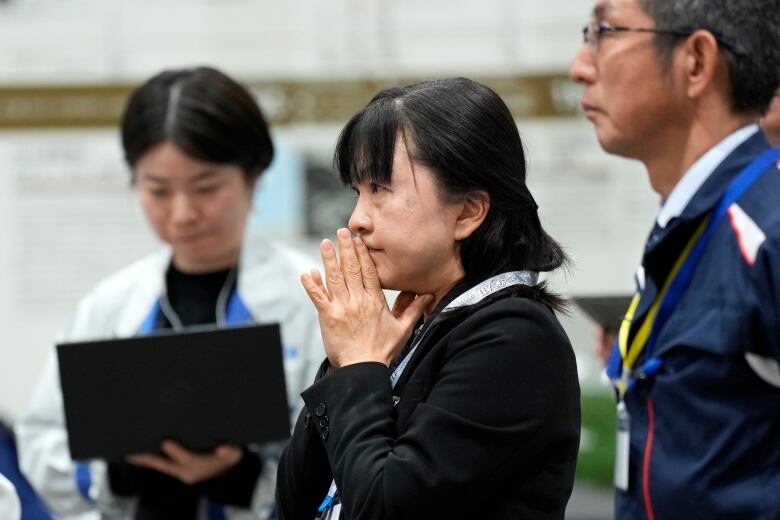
{"x":592,"y":33}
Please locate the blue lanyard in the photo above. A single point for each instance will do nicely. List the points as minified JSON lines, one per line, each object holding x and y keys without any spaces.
{"x":236,"y":313}
{"x":735,"y":190}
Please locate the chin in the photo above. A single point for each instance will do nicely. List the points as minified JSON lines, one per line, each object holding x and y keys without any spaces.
{"x":616,"y":146}
{"x":388,"y":282}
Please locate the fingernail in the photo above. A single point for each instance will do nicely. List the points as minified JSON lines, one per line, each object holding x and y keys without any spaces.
{"x":343,"y":233}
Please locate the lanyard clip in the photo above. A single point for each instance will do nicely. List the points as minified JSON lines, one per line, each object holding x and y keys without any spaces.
{"x":624,"y":383}
{"x":651,"y":368}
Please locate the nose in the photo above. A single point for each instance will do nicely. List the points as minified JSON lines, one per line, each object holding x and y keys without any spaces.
{"x":582,"y":69}
{"x":360,"y":222}
{"x":183,"y":210}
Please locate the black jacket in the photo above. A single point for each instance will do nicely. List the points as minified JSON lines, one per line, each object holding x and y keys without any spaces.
{"x":486,"y":422}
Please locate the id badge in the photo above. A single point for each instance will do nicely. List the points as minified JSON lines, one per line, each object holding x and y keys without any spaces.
{"x":622,"y":446}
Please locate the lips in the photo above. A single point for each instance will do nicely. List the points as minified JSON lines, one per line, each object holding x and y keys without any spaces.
{"x":587,"y":107}
{"x":190,"y":238}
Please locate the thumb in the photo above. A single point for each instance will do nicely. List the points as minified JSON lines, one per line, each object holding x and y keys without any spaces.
{"x":414,"y":310}
{"x":402,"y":301}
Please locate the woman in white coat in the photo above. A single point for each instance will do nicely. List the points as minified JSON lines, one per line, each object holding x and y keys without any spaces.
{"x":196,"y":143}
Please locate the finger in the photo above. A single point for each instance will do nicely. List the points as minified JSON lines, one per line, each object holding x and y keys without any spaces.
{"x":228,"y":454}
{"x":402,"y":302}
{"x":333,"y":275}
{"x":350,"y":266}
{"x":315,"y":292}
{"x":370,"y":277}
{"x":315,"y":275}
{"x":414,"y":310}
{"x":156,"y":463}
{"x":177,"y":453}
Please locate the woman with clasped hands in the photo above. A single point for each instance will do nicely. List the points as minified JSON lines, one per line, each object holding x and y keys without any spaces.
{"x":462,"y":401}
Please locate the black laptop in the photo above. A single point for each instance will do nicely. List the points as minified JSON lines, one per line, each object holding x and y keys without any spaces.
{"x":200,"y":388}
{"x":606,"y":310}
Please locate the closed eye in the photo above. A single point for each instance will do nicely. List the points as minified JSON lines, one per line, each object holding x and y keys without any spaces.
{"x":157,"y":192}
{"x":208,"y":188}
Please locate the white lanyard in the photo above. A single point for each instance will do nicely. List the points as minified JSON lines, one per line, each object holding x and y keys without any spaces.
{"x":221,"y":307}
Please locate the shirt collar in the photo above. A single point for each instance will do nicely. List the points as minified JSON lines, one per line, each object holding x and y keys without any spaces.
{"x":699,"y":172}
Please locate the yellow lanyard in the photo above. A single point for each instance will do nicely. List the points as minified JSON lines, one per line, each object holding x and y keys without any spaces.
{"x":630,"y":353}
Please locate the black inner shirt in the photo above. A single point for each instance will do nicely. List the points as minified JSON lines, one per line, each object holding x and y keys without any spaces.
{"x":193,"y":297}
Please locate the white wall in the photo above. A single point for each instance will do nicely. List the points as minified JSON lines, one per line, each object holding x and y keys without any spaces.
{"x":106,"y":40}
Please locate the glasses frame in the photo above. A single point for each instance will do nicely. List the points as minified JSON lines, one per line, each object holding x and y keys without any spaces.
{"x":593,"y":31}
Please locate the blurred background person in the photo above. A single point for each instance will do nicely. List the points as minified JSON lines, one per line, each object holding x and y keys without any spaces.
{"x":196,"y":144}
{"x":604,"y":342}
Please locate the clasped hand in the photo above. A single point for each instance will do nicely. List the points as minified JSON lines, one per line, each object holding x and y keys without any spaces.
{"x":356,"y":323}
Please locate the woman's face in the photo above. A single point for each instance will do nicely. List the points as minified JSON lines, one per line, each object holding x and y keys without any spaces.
{"x":411,"y":235}
{"x":199,"y":208}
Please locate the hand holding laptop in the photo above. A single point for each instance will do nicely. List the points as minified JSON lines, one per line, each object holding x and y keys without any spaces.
{"x":188,"y":466}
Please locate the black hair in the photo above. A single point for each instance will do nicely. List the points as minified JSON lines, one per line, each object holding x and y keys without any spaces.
{"x":748,"y":32}
{"x":204,"y":113}
{"x":466,"y":135}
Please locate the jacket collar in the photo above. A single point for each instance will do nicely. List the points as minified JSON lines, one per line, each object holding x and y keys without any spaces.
{"x":707,"y":196}
{"x":699,"y":172}
{"x":431,"y":323}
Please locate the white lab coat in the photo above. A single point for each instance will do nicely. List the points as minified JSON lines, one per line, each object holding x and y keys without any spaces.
{"x":269,"y":286}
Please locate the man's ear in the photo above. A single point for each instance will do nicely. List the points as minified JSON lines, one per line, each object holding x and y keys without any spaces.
{"x":473,"y":212}
{"x":703,"y":63}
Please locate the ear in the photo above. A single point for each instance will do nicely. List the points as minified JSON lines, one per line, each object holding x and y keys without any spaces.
{"x":702,"y":63}
{"x":472,"y":213}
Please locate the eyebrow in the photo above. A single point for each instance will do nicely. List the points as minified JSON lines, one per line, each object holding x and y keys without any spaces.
{"x":204,"y":175}
{"x":601,"y":9}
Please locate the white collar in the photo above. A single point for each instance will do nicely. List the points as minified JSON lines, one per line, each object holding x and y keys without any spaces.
{"x":698,"y":174}
{"x":494,"y":284}
{"x":474,"y":295}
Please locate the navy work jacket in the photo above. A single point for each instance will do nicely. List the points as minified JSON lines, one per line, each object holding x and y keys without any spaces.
{"x":705,"y":430}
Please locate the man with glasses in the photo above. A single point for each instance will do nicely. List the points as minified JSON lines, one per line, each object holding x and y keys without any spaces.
{"x":680,"y":85}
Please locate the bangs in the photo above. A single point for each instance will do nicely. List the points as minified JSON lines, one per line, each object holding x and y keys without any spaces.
{"x":364,"y":151}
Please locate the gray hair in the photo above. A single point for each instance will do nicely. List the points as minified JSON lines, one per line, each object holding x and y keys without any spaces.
{"x":748,"y":32}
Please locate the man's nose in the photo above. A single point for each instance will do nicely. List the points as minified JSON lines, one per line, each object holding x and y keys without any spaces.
{"x":582,"y":69}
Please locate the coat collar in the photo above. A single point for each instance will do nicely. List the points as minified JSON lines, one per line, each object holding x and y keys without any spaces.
{"x":464,"y":294}
{"x":707,"y":196}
